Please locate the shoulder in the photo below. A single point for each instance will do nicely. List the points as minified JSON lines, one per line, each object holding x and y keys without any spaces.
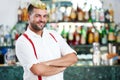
{"x":21,"y":40}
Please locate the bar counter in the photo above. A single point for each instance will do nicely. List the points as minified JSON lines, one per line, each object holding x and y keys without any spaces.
{"x":71,"y":73}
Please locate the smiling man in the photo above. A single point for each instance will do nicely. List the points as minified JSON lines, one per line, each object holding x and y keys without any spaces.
{"x":44,"y":54}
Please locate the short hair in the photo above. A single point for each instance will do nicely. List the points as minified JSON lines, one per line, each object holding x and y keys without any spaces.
{"x":37,"y":5}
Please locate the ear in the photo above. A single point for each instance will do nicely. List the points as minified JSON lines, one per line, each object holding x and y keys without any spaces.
{"x":28,"y":16}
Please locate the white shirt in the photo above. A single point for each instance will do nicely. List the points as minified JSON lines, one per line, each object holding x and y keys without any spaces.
{"x":46,"y":48}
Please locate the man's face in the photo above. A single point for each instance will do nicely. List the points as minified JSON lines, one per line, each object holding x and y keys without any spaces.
{"x":38,"y":19}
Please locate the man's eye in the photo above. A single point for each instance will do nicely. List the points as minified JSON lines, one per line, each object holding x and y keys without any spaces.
{"x":46,"y":16}
{"x":37,"y":16}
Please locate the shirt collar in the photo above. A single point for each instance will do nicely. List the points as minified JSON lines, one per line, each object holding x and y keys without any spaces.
{"x":30,"y":32}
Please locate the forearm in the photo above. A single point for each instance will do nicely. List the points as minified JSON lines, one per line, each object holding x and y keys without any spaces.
{"x":54,"y":66}
{"x":52,"y":70}
{"x":64,"y":61}
{"x":46,"y":70}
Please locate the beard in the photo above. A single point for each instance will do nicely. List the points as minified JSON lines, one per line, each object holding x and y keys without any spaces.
{"x":36,"y":27}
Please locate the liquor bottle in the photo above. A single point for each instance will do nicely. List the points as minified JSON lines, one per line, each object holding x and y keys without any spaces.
{"x":10,"y":57}
{"x":64,"y":33}
{"x":80,"y":13}
{"x":111,"y":34}
{"x":58,"y":14}
{"x":73,"y":15}
{"x":101,"y":15}
{"x":93,"y":15}
{"x":106,"y":27}
{"x":90,"y":36}
{"x":118,"y":37}
{"x":96,"y":54}
{"x":86,"y":13}
{"x":83,"y":35}
{"x":111,"y":13}
{"x":90,"y":10}
{"x":66,"y":14}
{"x":86,"y":16}
{"x":107,"y":16}
{"x":96,"y":36}
{"x":104,"y":35}
{"x":24,"y":14}
{"x":70,"y":35}
{"x":118,"y":34}
{"x":80,"y":32}
{"x":76,"y":36}
{"x":2,"y":29}
{"x":52,"y":15}
{"x":19,"y":14}
{"x":97,"y":14}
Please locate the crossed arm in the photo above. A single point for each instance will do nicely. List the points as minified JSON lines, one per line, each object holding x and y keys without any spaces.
{"x":54,"y":66}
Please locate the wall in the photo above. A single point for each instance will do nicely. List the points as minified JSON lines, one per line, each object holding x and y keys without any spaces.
{"x":8,"y":12}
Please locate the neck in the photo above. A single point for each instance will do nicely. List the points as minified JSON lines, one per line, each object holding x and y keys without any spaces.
{"x":39,"y":32}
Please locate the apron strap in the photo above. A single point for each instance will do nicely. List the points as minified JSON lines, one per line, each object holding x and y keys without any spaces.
{"x":26,"y":36}
{"x":53,"y":36}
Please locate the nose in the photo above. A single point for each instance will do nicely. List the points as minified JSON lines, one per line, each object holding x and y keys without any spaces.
{"x":42,"y":18}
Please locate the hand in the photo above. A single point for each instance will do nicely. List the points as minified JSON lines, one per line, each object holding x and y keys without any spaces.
{"x":111,"y":55}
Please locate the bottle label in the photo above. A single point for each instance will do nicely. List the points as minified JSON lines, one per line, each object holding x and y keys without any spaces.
{"x":90,"y":38}
{"x":83,"y":40}
{"x":80,"y":16}
{"x":111,"y":36}
{"x":77,"y":37}
{"x":104,"y":40}
{"x":118,"y":39}
{"x":73,"y":15}
{"x":70,"y":37}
